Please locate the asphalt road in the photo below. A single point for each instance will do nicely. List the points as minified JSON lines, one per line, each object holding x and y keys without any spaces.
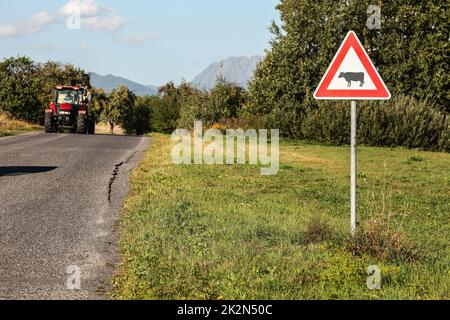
{"x":60,"y":196}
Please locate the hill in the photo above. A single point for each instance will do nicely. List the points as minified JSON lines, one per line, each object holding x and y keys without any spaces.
{"x":109,"y":82}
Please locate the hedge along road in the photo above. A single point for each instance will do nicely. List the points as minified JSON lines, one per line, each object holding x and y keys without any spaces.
{"x":59,"y":198}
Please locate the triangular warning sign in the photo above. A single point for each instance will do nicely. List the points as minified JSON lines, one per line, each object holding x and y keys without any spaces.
{"x":352,"y":75}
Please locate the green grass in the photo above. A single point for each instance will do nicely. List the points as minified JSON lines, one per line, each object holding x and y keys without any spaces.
{"x":226,"y":232}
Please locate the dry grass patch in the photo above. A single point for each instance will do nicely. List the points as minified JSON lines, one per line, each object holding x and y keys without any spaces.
{"x":104,"y":128}
{"x":10,"y":126}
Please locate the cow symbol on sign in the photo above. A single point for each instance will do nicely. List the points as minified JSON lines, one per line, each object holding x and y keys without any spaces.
{"x":353,"y":76}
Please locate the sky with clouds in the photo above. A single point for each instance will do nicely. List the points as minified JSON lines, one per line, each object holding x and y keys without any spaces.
{"x":150,"y":42}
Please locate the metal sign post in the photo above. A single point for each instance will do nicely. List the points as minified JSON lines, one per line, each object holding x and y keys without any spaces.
{"x":354,"y":167}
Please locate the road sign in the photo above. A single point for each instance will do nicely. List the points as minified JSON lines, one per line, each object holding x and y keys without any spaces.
{"x":352,"y":75}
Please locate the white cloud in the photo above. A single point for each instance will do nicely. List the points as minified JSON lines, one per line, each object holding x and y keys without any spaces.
{"x":94,"y":15}
{"x":87,"y":8}
{"x":137,"y":39}
{"x":37,"y":23}
{"x":105,"y":24}
{"x":8,"y":31}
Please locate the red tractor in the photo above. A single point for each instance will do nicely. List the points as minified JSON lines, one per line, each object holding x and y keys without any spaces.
{"x":71,"y":109}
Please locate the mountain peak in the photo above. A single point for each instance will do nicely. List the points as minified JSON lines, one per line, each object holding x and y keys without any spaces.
{"x":234,"y":69}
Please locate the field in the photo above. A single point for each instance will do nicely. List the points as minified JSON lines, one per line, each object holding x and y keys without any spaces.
{"x":226,"y":232}
{"x":10,"y":127}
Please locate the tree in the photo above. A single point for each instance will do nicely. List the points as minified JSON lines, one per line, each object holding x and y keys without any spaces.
{"x":411,"y":52}
{"x":51,"y":74}
{"x":121,"y":101}
{"x":225,"y":101}
{"x":20,"y":89}
{"x":99,"y":102}
{"x":138,"y":118}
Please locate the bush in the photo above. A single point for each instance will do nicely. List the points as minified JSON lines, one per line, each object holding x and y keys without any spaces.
{"x":192,"y":108}
{"x":403,"y":121}
{"x":224,"y":101}
{"x":119,"y":108}
{"x":138,"y":119}
{"x":164,"y":115}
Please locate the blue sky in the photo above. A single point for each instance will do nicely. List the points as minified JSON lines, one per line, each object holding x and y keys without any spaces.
{"x":150,"y":42}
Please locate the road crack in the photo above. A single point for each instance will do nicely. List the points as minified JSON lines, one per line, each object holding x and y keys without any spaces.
{"x":116,"y":172}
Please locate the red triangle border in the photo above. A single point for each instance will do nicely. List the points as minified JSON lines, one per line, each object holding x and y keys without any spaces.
{"x":381,"y":92}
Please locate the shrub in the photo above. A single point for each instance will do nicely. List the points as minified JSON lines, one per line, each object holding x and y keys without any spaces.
{"x":138,"y":118}
{"x":165,"y":115}
{"x":192,"y":108}
{"x":224,"y":101}
{"x":403,"y":121}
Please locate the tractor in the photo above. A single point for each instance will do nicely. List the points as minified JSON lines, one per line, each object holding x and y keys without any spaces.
{"x":70,"y":109}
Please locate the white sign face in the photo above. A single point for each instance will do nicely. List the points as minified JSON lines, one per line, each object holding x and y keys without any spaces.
{"x":359,"y":81}
{"x":352,"y":75}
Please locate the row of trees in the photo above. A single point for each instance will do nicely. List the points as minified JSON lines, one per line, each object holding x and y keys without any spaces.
{"x":411,"y":50}
{"x":403,"y":121}
{"x":25,"y":87}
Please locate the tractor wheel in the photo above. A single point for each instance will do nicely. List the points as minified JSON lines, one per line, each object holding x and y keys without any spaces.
{"x":81,"y":123}
{"x":48,"y":123}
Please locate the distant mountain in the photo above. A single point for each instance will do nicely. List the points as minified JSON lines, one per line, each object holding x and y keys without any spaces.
{"x":235,"y":69}
{"x":152,"y":87}
{"x":109,"y":82}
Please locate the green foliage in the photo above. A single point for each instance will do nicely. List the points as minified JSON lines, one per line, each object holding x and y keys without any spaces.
{"x":26,"y":87}
{"x":99,"y":102}
{"x":411,"y":52}
{"x":20,"y":88}
{"x":120,"y":104}
{"x":193,"y":107}
{"x":188,"y":101}
{"x":138,"y":118}
{"x":166,"y":109}
{"x":401,"y":122}
{"x":165,"y":116}
{"x":224,"y":101}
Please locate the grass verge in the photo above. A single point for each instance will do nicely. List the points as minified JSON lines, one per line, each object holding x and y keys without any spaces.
{"x":226,"y":232}
{"x":9,"y":127}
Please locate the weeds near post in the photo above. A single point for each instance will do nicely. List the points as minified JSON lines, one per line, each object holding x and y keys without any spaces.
{"x":380,"y":237}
